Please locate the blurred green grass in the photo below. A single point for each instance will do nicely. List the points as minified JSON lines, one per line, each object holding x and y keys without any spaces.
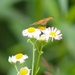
{"x":16,"y":15}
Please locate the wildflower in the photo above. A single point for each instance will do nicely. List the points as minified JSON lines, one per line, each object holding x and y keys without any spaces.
{"x":31,"y":32}
{"x":43,"y":37}
{"x":53,"y":33}
{"x":24,"y":71}
{"x":17,"y":58}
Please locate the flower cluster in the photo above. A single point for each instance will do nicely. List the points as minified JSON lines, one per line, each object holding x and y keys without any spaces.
{"x":21,"y":59}
{"x":43,"y":33}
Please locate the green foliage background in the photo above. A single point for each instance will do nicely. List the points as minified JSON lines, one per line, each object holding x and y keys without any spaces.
{"x":16,"y":15}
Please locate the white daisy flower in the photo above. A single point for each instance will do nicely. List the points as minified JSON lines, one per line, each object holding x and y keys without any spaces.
{"x":24,"y":71}
{"x":53,"y":33}
{"x":43,"y":37}
{"x":17,"y":58}
{"x":31,"y":32}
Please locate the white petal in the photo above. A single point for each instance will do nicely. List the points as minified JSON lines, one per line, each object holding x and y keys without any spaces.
{"x":55,"y":30}
{"x":21,"y":61}
{"x":24,"y":32}
{"x":58,"y":37}
{"x":52,"y":29}
{"x":10,"y":59}
{"x":25,"y":56}
{"x":14,"y":59}
{"x":49,"y":29}
{"x":58,"y":32}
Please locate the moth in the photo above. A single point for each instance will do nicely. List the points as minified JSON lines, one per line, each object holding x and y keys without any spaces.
{"x":42,"y":21}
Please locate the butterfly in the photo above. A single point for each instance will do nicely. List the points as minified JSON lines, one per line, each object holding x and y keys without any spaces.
{"x":43,"y":21}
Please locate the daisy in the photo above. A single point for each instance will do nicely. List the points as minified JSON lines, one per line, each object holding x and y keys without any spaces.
{"x":43,"y":37}
{"x":31,"y":32}
{"x":17,"y":58}
{"x":24,"y":71}
{"x":53,"y":33}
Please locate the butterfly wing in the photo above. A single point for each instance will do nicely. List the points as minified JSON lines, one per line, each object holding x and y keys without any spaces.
{"x":43,"y":21}
{"x":36,"y":23}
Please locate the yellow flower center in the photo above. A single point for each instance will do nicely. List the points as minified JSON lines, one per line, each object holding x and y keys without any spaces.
{"x":41,"y":27}
{"x":53,"y":34}
{"x":20,"y":55}
{"x":31,"y":29}
{"x":23,"y":71}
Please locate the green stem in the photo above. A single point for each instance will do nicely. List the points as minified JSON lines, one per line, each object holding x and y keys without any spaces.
{"x":37,"y":68}
{"x":33,"y":58}
{"x":16,"y":68}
